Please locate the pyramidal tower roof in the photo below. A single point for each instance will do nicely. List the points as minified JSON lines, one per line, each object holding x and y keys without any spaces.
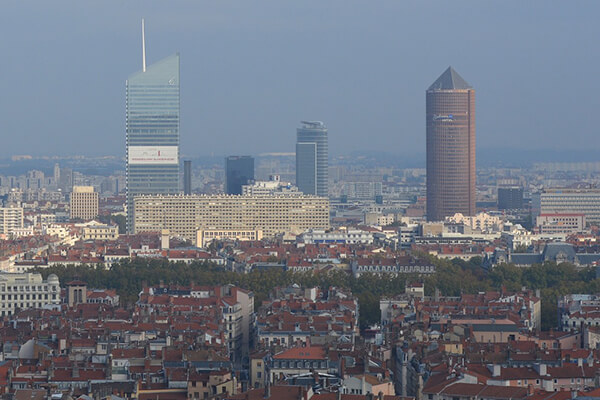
{"x":449,"y":80}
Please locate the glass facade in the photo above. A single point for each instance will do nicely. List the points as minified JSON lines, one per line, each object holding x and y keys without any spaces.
{"x":239,"y":170}
{"x":152,"y":132}
{"x":312,"y":159}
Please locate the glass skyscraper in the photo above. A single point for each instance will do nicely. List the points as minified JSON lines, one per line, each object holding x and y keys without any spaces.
{"x":239,"y":171}
{"x":152,"y":131}
{"x":312,"y":159}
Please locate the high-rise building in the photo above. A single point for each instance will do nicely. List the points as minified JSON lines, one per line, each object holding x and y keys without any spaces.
{"x":312,"y":158}
{"x":152,"y":126}
{"x":450,"y":115}
{"x":239,"y":171}
{"x":11,"y":218}
{"x":187,"y":177}
{"x":510,"y":198}
{"x":84,"y":202}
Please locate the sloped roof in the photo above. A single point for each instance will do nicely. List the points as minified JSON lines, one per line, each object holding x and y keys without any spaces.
{"x":449,"y":80}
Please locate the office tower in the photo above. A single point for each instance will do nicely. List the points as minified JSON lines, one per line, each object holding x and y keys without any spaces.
{"x":152,"y":127}
{"x":239,"y":171}
{"x":312,"y":158}
{"x":450,"y":114}
{"x":84,"y":203}
{"x":230,"y":215}
{"x":187,"y":177}
{"x":510,"y":198}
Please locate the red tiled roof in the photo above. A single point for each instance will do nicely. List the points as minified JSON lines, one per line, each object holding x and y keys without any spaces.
{"x":302,"y":353}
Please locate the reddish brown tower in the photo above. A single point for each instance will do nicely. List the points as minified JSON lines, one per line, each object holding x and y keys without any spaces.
{"x":450,"y":113}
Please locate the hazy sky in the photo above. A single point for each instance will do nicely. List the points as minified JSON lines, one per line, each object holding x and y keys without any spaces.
{"x":251,"y":70}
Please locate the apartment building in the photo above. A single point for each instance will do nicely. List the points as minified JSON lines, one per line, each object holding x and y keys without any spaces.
{"x":11,"y":218}
{"x":27,"y":290}
{"x":100,"y":232}
{"x":84,"y":203}
{"x":185,"y":215}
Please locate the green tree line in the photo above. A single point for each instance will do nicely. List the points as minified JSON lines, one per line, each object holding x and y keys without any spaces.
{"x":452,"y":278}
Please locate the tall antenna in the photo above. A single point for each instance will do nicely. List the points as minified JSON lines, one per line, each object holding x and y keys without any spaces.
{"x":143,"y":47}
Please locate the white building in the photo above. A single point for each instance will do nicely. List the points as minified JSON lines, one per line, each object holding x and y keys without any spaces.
{"x":343,"y":236}
{"x":482,"y":222}
{"x":560,"y":222}
{"x":272,"y":187}
{"x":11,"y":218}
{"x":27,"y":290}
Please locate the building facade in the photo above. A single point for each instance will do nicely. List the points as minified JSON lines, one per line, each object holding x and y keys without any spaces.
{"x":84,"y":203}
{"x":510,"y":198}
{"x":152,"y":129}
{"x":187,"y":177}
{"x":450,"y":116}
{"x":560,"y":223}
{"x":11,"y":219}
{"x":185,"y":215}
{"x":101,"y":232}
{"x":205,"y":237}
{"x":27,"y":290}
{"x":239,"y":171}
{"x":577,"y":201}
{"x":312,"y":159}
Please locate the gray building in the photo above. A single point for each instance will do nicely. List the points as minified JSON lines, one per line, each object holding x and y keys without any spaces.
{"x":566,"y":200}
{"x":239,"y":171}
{"x":312,"y":158}
{"x":187,"y":177}
{"x":152,"y":130}
{"x":510,"y":198}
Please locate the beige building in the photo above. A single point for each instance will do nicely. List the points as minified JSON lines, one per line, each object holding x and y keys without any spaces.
{"x":101,"y":232}
{"x":11,"y":219}
{"x":186,"y":215}
{"x":27,"y":290}
{"x":482,"y":222}
{"x":84,"y":203}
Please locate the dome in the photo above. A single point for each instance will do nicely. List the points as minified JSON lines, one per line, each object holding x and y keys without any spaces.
{"x":52,"y":278}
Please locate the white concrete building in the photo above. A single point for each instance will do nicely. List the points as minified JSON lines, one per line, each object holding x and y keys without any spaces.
{"x":27,"y":290}
{"x":352,"y":236}
{"x":11,"y":218}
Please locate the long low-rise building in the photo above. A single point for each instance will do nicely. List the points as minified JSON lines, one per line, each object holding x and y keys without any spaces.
{"x":185,"y":215}
{"x":580,"y":201}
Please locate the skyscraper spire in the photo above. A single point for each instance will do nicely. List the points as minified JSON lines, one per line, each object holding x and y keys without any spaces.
{"x":143,"y":47}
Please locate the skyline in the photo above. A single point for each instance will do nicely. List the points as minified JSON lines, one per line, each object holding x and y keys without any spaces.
{"x":251,"y":72}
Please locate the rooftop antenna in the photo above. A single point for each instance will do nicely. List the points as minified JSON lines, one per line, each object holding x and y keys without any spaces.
{"x":143,"y":47}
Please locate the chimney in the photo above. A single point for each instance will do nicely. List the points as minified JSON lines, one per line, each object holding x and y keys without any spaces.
{"x":530,"y":390}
